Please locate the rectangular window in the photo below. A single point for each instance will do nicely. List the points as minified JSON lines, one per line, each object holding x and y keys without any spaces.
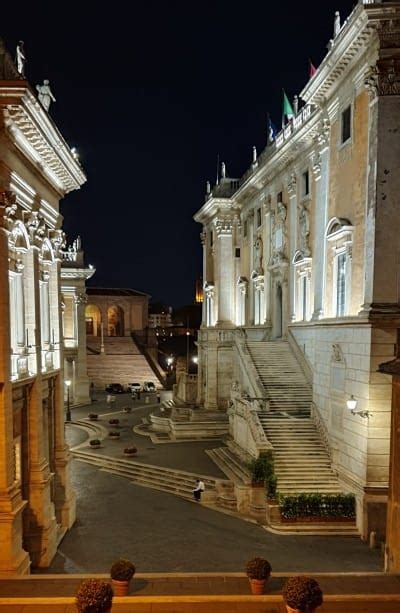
{"x":340,"y":285}
{"x":258,"y":218}
{"x":280,"y":197}
{"x":211,"y":239}
{"x":305,"y":184}
{"x":304,"y":297}
{"x":346,"y":124}
{"x":237,"y":252}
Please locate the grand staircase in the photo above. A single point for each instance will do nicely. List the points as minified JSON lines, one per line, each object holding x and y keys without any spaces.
{"x":302,"y":463}
{"x":122,"y":362}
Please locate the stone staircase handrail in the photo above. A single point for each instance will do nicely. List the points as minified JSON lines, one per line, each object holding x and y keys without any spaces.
{"x":322,"y":429}
{"x":300,"y":357}
{"x":250,"y":413}
{"x":247,"y":364}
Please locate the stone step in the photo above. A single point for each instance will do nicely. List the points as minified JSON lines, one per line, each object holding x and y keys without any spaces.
{"x":166,"y":480}
{"x":230,"y":465}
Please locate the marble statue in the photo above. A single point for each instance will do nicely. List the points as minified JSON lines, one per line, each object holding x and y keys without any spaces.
{"x":45,"y":94}
{"x":304,"y":224}
{"x":336,"y":26}
{"x":20,"y":58}
{"x":258,"y":249}
{"x":7,"y":66}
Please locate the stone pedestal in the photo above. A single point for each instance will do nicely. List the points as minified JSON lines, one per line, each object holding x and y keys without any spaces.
{"x":257,"y":505}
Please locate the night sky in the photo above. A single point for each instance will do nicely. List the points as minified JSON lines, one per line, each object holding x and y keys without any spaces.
{"x":149,"y":93}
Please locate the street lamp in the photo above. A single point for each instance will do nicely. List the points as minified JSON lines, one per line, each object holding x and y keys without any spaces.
{"x":195,"y":359}
{"x":187,"y":351}
{"x":68,"y":414}
{"x":351,"y":404}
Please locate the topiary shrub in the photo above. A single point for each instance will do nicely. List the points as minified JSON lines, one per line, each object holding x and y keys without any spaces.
{"x":302,"y":593}
{"x":94,"y":596}
{"x":258,"y":568}
{"x":122,"y":570}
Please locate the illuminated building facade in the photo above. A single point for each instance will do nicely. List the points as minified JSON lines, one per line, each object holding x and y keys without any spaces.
{"x":37,"y":169}
{"x":301,"y":255}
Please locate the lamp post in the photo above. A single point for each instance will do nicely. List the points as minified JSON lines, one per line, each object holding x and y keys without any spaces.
{"x":68,"y":414}
{"x":187,"y":351}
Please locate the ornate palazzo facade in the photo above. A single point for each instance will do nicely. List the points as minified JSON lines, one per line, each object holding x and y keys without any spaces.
{"x":305,"y":248}
{"x":37,"y":169}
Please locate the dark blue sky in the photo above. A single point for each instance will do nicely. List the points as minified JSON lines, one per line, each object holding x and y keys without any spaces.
{"x":150,"y":93}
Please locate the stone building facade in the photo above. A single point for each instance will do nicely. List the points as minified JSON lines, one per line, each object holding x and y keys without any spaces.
{"x":305,"y":248}
{"x":115,"y":311}
{"x":74,"y":274}
{"x":37,"y":169}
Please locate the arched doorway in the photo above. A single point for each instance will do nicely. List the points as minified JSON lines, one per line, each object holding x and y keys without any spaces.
{"x":93,"y":320}
{"x":115,"y":321}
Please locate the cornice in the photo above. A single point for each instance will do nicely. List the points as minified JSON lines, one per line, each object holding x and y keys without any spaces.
{"x":77,"y":273}
{"x":211,"y":208}
{"x":34,"y":133}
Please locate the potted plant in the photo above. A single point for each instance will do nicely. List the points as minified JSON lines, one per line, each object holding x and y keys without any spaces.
{"x":258,"y":571}
{"x":257,"y":467}
{"x":93,"y":416}
{"x":95,"y":443}
{"x":130,"y":451}
{"x":94,"y":596}
{"x":113,"y":422}
{"x":302,"y":595}
{"x":114,"y":434}
{"x":121,"y":573}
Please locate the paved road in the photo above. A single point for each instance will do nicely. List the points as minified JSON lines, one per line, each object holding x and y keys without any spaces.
{"x":163,"y":533}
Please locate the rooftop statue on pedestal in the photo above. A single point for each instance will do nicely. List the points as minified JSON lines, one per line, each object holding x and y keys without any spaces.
{"x":45,"y":94}
{"x":20,"y":59}
{"x":8,"y":70}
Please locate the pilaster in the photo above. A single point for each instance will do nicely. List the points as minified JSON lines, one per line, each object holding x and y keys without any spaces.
{"x":13,"y":558}
{"x":321,"y":178}
{"x":40,"y":528}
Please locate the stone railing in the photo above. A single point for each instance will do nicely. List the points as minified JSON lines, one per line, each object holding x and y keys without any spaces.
{"x":250,"y":376}
{"x":322,"y":429}
{"x":246,"y":428}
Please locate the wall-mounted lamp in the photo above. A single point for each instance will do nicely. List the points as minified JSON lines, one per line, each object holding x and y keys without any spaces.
{"x":352,"y":407}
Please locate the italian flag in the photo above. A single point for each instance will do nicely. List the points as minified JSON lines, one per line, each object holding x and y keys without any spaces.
{"x":287,"y":108}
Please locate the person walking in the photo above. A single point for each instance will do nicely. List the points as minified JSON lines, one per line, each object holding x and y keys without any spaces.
{"x":198,"y":490}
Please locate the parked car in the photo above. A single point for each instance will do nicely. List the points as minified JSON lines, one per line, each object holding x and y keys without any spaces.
{"x":114,"y":388}
{"x":149,"y":386}
{"x":135,"y":387}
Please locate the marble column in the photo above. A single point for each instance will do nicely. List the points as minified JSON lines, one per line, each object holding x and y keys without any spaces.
{"x":13,"y":558}
{"x":225,"y":287}
{"x":250,"y":222}
{"x":203,"y":238}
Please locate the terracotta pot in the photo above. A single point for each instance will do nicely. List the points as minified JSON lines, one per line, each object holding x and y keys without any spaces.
{"x":290,"y":610}
{"x":120,"y":588}
{"x":257,"y":586}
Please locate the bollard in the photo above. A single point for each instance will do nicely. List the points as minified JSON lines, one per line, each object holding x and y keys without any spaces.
{"x":147,"y":400}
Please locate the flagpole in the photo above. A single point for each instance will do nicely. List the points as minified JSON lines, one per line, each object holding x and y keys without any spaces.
{"x":283,"y":111}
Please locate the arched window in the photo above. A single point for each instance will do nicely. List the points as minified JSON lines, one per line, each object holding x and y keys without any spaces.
{"x":93,"y":320}
{"x":115,"y":321}
{"x":339,"y":234}
{"x":302,"y":286}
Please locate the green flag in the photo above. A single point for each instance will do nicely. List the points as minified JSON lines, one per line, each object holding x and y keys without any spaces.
{"x":287,"y":107}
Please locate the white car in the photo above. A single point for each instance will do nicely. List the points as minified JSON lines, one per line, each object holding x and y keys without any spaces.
{"x":149,"y":386}
{"x":135,"y":387}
